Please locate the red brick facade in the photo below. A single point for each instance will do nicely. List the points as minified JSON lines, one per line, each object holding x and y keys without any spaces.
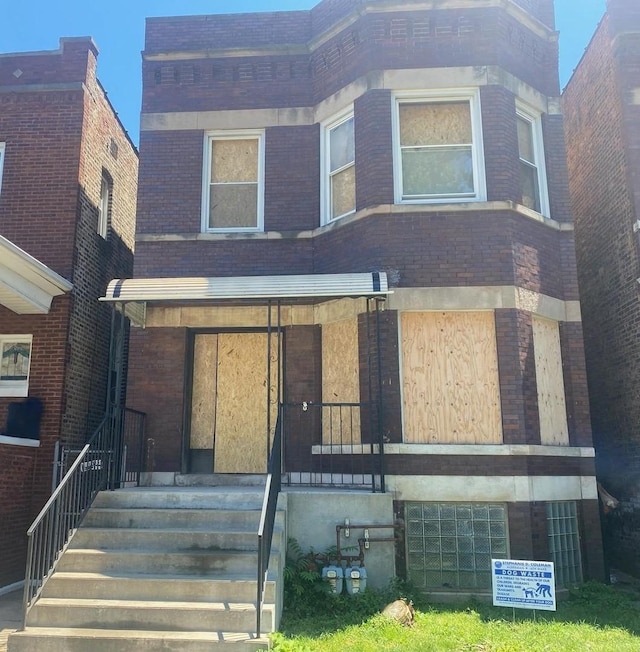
{"x":289,"y":74}
{"x":60,"y":135}
{"x":602,"y":122}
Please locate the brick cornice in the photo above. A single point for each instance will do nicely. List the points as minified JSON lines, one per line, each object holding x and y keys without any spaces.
{"x":538,"y":28}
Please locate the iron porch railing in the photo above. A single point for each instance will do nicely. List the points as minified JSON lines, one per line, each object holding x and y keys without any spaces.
{"x":333,"y":444}
{"x":268,"y":516}
{"x":99,"y":465}
{"x":132,"y":460}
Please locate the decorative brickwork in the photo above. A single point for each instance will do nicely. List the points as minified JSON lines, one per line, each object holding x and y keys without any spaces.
{"x":292,"y":73}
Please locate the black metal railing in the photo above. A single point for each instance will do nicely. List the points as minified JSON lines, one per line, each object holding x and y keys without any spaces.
{"x":332,"y":444}
{"x":132,"y":459}
{"x":98,"y":466}
{"x":134,"y":445}
{"x":268,"y":517}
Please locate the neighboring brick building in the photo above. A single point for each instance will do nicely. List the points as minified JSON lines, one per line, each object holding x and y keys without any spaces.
{"x":602,"y":107}
{"x":68,"y":180}
{"x":366,"y":143}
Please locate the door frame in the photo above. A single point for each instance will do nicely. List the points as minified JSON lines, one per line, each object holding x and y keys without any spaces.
{"x":190,"y":335}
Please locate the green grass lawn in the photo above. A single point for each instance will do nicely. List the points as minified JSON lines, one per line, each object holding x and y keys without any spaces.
{"x":595,"y":617}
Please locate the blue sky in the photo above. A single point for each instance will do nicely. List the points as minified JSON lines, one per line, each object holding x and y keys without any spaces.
{"x":117,"y":27}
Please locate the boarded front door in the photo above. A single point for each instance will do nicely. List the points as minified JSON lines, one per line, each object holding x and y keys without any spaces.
{"x":229,"y":402}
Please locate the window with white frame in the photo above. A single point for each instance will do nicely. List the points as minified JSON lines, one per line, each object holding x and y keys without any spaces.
{"x":15,"y":361}
{"x":339,"y":178}
{"x":104,"y":205}
{"x":233,"y":182}
{"x":533,"y":178}
{"x":438,"y":148}
{"x":2,"y":148}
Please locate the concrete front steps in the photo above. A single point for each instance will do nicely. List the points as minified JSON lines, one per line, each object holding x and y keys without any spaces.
{"x":160,"y":569}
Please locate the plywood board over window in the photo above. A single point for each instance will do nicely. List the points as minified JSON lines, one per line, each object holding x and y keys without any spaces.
{"x":233,"y":181}
{"x":203,"y":403}
{"x":552,"y":407}
{"x":340,"y":382}
{"x":450,"y":379}
{"x":436,"y":149}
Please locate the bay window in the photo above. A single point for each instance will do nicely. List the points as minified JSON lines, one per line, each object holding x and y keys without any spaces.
{"x":438,"y":149}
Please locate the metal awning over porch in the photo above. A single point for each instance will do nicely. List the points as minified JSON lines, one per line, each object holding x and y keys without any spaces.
{"x":141,"y":291}
{"x":27,"y":286}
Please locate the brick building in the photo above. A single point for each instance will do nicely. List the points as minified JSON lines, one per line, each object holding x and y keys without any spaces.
{"x":68,"y":179}
{"x":602,"y":108}
{"x":382,"y":188}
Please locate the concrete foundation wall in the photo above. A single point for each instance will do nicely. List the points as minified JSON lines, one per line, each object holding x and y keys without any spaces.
{"x":313,"y":515}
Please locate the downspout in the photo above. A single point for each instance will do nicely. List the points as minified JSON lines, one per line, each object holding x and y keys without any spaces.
{"x":380,"y":403}
{"x":269,"y":330}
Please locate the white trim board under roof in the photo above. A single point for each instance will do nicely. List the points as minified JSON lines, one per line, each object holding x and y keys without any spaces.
{"x":243,"y":288}
{"x":27,"y":286}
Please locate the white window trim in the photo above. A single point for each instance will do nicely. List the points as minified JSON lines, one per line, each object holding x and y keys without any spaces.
{"x":534,"y":118}
{"x":16,"y":388}
{"x":103,"y":208}
{"x":325,"y":163}
{"x":19,"y":441}
{"x":2,"y":151}
{"x":477,"y":149}
{"x":244,"y":134}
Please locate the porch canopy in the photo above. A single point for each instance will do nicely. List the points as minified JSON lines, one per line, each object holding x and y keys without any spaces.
{"x":136,"y":293}
{"x":27,"y":286}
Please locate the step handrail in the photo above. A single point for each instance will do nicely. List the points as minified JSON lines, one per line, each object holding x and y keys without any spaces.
{"x":95,"y":469}
{"x":268,"y":516}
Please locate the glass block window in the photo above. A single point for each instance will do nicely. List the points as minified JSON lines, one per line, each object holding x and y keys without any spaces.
{"x":450,"y":545}
{"x":564,"y":542}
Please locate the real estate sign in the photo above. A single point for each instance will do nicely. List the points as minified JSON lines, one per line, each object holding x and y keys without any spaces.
{"x":523,"y":584}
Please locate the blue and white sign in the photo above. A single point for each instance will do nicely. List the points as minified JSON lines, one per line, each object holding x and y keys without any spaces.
{"x":523,"y":584}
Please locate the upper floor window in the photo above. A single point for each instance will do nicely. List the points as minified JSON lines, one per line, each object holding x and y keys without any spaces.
{"x":104,"y":206}
{"x":339,"y":177}
{"x":438,"y":145}
{"x":533,"y":178}
{"x":2,"y":147}
{"x":233,"y":182}
{"x":15,"y":361}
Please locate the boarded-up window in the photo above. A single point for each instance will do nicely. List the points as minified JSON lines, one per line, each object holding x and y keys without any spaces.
{"x":436,"y":149}
{"x":340,"y":383}
{"x":233,"y":200}
{"x":450,"y":380}
{"x":529,"y":181}
{"x":552,"y":408}
{"x":342,"y":173}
